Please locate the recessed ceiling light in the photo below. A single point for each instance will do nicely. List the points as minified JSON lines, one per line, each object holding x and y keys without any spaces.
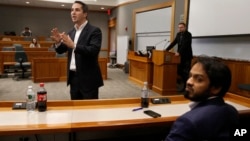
{"x":102,"y":8}
{"x":62,"y":5}
{"x":27,"y":2}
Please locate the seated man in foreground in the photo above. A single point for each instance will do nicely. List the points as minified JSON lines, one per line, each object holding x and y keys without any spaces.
{"x":210,"y":118}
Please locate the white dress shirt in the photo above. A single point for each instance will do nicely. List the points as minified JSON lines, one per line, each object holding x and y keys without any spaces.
{"x":77,"y":34}
{"x":194,"y":104}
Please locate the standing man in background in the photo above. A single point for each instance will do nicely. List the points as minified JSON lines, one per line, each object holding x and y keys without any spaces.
{"x":184,"y":50}
{"x":83,"y":44}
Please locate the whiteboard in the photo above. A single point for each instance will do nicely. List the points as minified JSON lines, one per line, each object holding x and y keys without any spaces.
{"x":158,"y":20}
{"x":152,"y":28}
{"x":226,"y":47}
{"x":122,"y":49}
{"x":219,"y":17}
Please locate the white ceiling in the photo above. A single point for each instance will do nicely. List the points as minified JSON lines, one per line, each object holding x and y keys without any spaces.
{"x":93,"y":4}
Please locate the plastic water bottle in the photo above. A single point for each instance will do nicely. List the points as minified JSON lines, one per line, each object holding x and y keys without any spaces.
{"x":41,"y":98}
{"x":30,"y":99}
{"x":145,"y":95}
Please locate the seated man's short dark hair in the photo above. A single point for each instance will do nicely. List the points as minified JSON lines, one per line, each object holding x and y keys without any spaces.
{"x":218,"y":73}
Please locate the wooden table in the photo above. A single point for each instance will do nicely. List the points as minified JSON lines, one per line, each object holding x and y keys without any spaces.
{"x":99,"y":116}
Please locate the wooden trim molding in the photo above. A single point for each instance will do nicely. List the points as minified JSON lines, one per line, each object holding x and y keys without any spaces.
{"x":153,"y":7}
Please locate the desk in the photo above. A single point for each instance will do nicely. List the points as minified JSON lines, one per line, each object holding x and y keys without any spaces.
{"x":99,"y":115}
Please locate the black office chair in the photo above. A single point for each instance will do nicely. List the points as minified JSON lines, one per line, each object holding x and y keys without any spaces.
{"x":22,"y":65}
{"x":18,"y":47}
{"x":112,"y":56}
{"x":60,"y":55}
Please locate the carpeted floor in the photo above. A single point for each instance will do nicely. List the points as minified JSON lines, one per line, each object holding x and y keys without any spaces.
{"x":116,"y":86}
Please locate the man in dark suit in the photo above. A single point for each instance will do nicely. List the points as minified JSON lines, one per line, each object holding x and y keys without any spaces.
{"x":210,"y":118}
{"x":184,"y":50}
{"x":83,"y":44}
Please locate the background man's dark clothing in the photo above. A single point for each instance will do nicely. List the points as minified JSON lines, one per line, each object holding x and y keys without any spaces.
{"x":184,"y":41}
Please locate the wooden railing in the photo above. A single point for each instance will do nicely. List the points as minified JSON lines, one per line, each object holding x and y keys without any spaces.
{"x":55,"y":69}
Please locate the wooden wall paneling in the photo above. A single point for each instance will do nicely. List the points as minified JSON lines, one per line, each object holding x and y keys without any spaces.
{"x":8,"y":56}
{"x":240,"y":75}
{"x":231,"y":66}
{"x":49,"y":69}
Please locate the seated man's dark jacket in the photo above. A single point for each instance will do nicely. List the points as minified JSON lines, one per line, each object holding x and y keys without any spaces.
{"x":211,"y":120}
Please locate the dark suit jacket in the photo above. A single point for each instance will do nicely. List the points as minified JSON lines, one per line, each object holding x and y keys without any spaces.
{"x":86,"y":57}
{"x":211,"y":120}
{"x":184,"y":45}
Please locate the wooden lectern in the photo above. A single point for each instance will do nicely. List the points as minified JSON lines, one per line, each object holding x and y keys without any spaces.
{"x":165,"y":72}
{"x":140,"y":69}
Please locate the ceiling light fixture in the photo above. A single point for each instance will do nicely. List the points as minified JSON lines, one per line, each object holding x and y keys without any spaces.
{"x":27,"y":2}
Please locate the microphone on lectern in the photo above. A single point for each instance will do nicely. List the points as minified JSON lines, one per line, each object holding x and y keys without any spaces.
{"x":161,"y":42}
{"x":167,"y":43}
